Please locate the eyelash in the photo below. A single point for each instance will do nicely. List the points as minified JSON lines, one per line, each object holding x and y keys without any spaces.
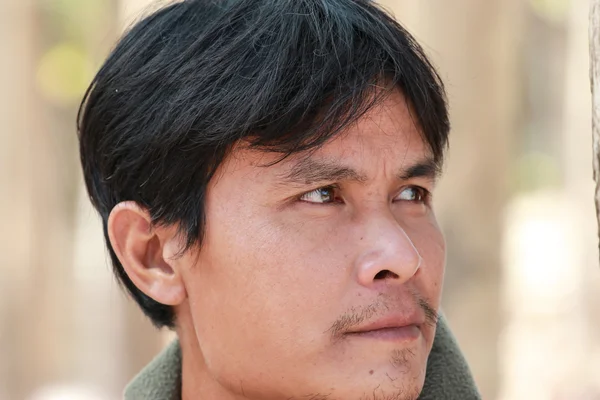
{"x":423,"y":194}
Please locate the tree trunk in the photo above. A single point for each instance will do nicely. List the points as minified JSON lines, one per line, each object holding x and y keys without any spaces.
{"x":18,"y":370}
{"x":595,"y":78}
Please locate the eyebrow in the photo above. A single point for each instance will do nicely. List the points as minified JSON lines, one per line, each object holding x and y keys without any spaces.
{"x":309,"y":171}
{"x":426,"y":168}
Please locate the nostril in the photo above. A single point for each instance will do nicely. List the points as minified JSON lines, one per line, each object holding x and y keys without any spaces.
{"x":386,"y":274}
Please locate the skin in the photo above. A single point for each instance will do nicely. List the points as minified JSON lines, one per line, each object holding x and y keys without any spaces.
{"x":265,"y":306}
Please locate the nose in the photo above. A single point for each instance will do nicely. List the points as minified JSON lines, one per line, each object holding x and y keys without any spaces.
{"x":387,"y":254}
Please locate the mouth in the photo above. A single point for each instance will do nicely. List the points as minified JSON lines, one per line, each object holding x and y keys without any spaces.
{"x":391,"y":328}
{"x":405,"y":333}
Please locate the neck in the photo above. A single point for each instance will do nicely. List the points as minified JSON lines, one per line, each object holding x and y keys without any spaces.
{"x":196,"y":381}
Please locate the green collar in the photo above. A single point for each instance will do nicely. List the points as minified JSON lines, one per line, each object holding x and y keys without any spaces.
{"x":159,"y":380}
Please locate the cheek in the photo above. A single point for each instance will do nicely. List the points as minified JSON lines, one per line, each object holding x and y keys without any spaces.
{"x":266,"y":277}
{"x":430,"y":242}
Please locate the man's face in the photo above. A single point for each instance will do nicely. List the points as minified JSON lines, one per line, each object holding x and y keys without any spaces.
{"x":319,"y":276}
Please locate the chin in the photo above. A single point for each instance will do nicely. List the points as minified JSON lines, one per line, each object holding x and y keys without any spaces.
{"x":389,"y":381}
{"x":401,"y":389}
{"x":395,"y":371}
{"x":400,"y":377}
{"x":396,"y":385}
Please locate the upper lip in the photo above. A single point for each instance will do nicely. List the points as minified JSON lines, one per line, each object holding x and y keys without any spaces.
{"x":391,"y":321}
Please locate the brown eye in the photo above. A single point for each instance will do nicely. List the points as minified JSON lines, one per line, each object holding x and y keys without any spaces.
{"x":413,"y":193}
{"x":320,"y":196}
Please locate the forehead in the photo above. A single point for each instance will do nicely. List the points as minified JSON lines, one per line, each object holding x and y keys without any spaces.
{"x":388,"y":129}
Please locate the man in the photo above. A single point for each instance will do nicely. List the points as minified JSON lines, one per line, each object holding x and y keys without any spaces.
{"x":264,"y":171}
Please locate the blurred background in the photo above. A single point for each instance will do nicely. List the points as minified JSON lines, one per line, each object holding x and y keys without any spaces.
{"x":516,"y":202}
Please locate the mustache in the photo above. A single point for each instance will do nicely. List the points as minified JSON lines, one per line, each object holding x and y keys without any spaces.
{"x":357,"y":316}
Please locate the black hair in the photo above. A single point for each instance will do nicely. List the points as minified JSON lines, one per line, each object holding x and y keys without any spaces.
{"x":187,"y":82}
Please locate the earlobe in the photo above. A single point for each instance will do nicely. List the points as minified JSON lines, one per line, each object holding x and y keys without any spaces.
{"x":140,"y":248}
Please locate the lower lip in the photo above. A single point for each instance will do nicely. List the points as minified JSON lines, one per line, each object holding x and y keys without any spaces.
{"x":396,"y":334}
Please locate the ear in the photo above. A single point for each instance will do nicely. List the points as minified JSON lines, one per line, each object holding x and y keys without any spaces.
{"x":146,"y":253}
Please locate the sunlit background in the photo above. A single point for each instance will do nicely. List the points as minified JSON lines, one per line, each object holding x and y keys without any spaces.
{"x":522,"y":288}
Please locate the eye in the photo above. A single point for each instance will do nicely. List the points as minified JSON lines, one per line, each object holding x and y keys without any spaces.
{"x":413,"y":194}
{"x":320,"y":196}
